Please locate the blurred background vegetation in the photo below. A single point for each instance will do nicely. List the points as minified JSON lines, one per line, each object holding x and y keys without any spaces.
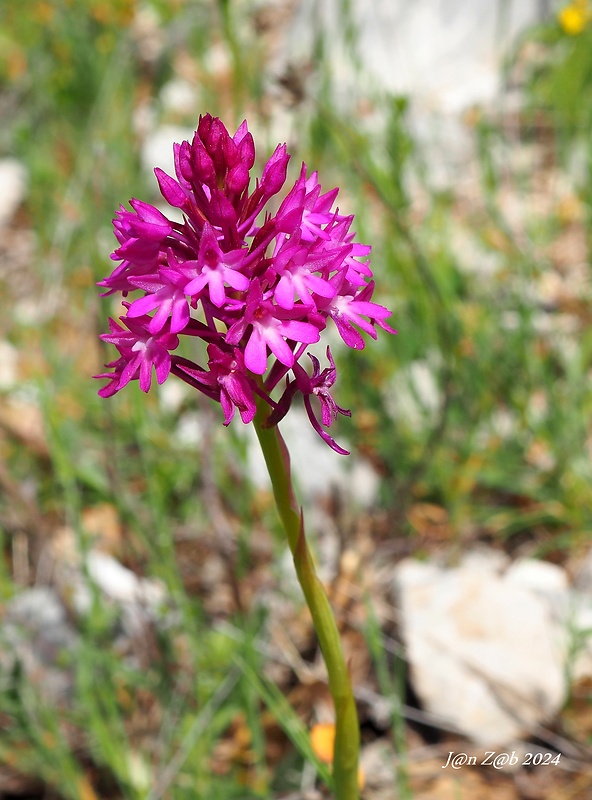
{"x":476,"y":417}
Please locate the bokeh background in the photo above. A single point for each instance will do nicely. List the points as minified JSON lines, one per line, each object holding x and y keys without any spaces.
{"x":154,"y":642}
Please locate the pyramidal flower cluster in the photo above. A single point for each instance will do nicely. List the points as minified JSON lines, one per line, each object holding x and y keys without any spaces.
{"x":256,"y":287}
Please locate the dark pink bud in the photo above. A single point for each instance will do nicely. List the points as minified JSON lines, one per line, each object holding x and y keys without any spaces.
{"x":214,"y":141}
{"x":184,"y":161}
{"x":230,"y":152}
{"x":220,"y":147}
{"x":203,"y":166}
{"x":241,"y":132}
{"x":246,"y":146}
{"x":204,"y":125}
{"x":170,"y":189}
{"x":274,"y":172}
{"x":247,"y":151}
{"x":237,"y":179}
{"x":147,"y":223}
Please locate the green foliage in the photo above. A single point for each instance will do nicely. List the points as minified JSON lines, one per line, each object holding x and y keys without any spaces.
{"x":558,"y":78}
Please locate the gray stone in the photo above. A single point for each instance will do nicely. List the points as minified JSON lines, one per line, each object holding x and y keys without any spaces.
{"x":583,"y":575}
{"x":37,"y":635}
{"x":138,"y":601}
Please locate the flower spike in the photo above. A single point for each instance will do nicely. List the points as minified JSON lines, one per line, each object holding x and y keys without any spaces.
{"x":253,"y":285}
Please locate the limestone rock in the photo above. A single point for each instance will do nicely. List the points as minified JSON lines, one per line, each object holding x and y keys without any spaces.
{"x":13,"y":179}
{"x":37,"y":635}
{"x":485,"y":653}
{"x":139,"y":601}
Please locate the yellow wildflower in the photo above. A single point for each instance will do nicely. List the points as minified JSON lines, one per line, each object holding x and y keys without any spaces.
{"x":574,"y":17}
{"x":322,"y":738}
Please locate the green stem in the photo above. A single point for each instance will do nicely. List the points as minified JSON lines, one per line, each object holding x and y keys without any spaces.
{"x":347,"y":730}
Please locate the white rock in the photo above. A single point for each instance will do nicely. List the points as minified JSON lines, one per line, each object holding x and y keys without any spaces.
{"x":190,"y":429}
{"x":179,"y":97}
{"x":157,"y":149}
{"x":13,"y":180}
{"x":121,"y":584}
{"x":446,"y":55}
{"x":316,"y":468}
{"x":413,"y":394}
{"x":8,"y":365}
{"x":540,"y":576}
{"x":485,"y":654}
{"x":172,"y":395}
{"x":494,"y":562}
{"x":551,"y":584}
{"x":411,"y":573}
{"x":580,"y":630}
{"x":139,"y":600}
